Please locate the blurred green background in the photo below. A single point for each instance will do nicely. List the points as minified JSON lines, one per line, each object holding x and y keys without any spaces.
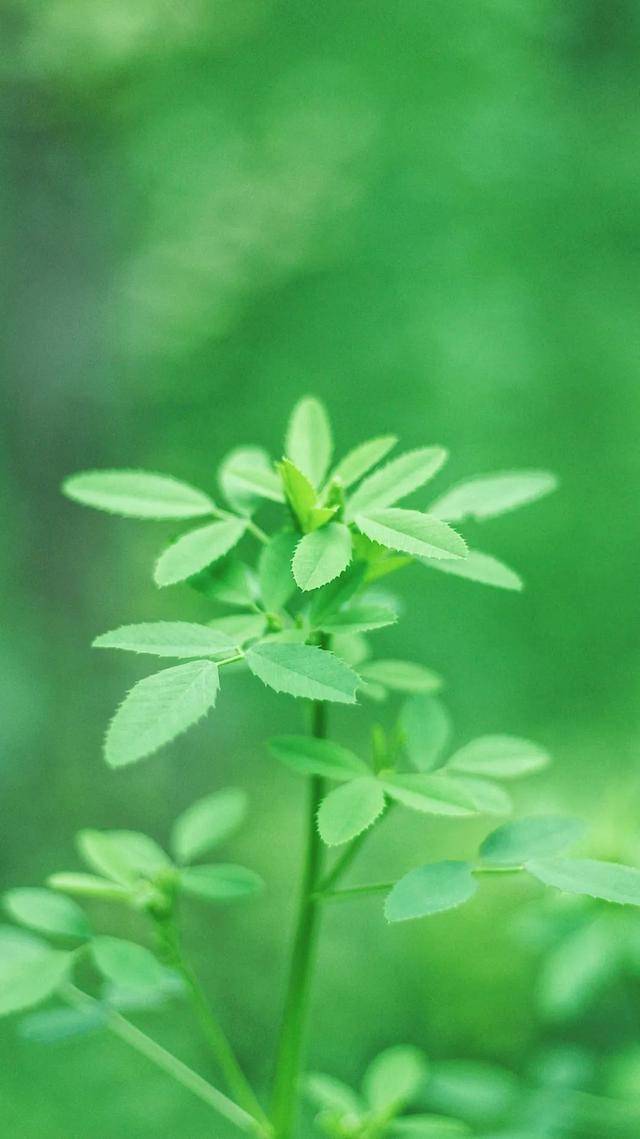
{"x":427,"y":214}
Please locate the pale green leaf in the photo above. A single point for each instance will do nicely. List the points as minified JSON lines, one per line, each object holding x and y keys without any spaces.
{"x":241,"y":627}
{"x":197,"y":549}
{"x":395,"y":1078}
{"x":303,"y":670}
{"x":430,"y":1127}
{"x":322,"y":555}
{"x":430,"y":794}
{"x":351,"y":647}
{"x":219,"y":883}
{"x":246,"y":476}
{"x":401,"y":676}
{"x":576,"y":968}
{"x":127,"y":964}
{"x":360,"y":460}
{"x":123,"y":856}
{"x":46,"y":912}
{"x":89,"y":886}
{"x":396,"y":480}
{"x":427,"y":728}
{"x":277,"y":584}
{"x":486,"y":496}
{"x":502,"y":757}
{"x":137,"y":494}
{"x":543,"y":836}
{"x":331,"y":1094}
{"x":479,"y":567}
{"x":57,"y":1024}
{"x":308,"y":440}
{"x":159,"y":708}
{"x":420,"y":535}
{"x":167,"y":639}
{"x":606,"y":880}
{"x":300,"y":493}
{"x":488,"y":797}
{"x":332,"y":598}
{"x":30,"y":970}
{"x":430,"y":889}
{"x":207,"y":823}
{"x":228,"y":581}
{"x":308,"y":756}
{"x":350,"y":809}
{"x":359,"y":618}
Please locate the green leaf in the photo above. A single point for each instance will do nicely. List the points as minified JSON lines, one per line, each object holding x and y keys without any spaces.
{"x":89,"y":886}
{"x":430,"y":889}
{"x":299,"y":492}
{"x":246,"y":476}
{"x":274,"y":570}
{"x":308,"y":756}
{"x":479,"y":567}
{"x":303,"y":670}
{"x":331,"y":599}
{"x":197,"y":549}
{"x":431,"y":794}
{"x":544,"y":836}
{"x":127,"y":964}
{"x":220,"y":883}
{"x":228,"y":581}
{"x":167,"y":639}
{"x":486,"y":496}
{"x":350,"y":809}
{"x":606,"y":880}
{"x":489,"y":798}
{"x":503,"y":757}
{"x":359,"y":618}
{"x":30,"y":970}
{"x":360,"y":460}
{"x":331,"y":1094}
{"x":56,"y":1024}
{"x":159,"y":708}
{"x":430,"y":1127}
{"x":412,"y":532}
{"x":46,"y":912}
{"x":401,"y":676}
{"x":124,"y":856}
{"x":137,"y":494}
{"x":351,"y":647}
{"x":427,"y":729}
{"x":322,"y":555}
{"x":308,"y":441}
{"x":396,"y":480}
{"x":576,"y":968}
{"x":207,"y":823}
{"x":241,"y":627}
{"x":395,"y":1078}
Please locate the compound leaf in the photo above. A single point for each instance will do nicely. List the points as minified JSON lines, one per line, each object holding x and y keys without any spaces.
{"x":429,"y":890}
{"x":197,"y":549}
{"x":322,"y":556}
{"x":167,"y":639}
{"x":411,"y":532}
{"x":350,"y":809}
{"x":137,"y":494}
{"x":207,"y":823}
{"x":396,"y":480}
{"x":303,"y":670}
{"x":486,"y":496}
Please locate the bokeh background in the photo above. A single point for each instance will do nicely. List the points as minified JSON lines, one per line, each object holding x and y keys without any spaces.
{"x":427,"y":214}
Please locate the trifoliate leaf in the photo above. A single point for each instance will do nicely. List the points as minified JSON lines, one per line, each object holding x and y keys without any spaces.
{"x":246,"y":476}
{"x":331,"y":1094}
{"x":277,"y":584}
{"x":137,"y":494}
{"x":360,"y":460}
{"x":486,"y":496}
{"x":426,"y":726}
{"x":241,"y":627}
{"x":308,"y":756}
{"x":429,"y":890}
{"x":396,"y":480}
{"x":503,"y":757}
{"x":431,"y":1127}
{"x":350,"y":809}
{"x":420,"y":535}
{"x":395,"y":1078}
{"x":167,"y":639}
{"x":322,"y":555}
{"x":127,"y":964}
{"x":431,"y":794}
{"x":303,"y":670}
{"x":308,"y":441}
{"x":478,"y":567}
{"x":197,"y":549}
{"x":159,"y":708}
{"x":30,"y":970}
{"x":53,"y":1025}
{"x":606,"y":880}
{"x":207,"y":823}
{"x":89,"y":886}
{"x":488,"y":797}
{"x":219,"y":883}
{"x":228,"y":581}
{"x":401,"y":676}
{"x":46,"y":912}
{"x":359,"y":618}
{"x":544,"y":836}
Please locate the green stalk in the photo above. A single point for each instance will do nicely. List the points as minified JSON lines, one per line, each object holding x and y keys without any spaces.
{"x":289,"y":1056}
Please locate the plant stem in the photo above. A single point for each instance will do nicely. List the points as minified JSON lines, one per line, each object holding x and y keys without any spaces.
{"x":290,"y":1047}
{"x":170,"y":1064}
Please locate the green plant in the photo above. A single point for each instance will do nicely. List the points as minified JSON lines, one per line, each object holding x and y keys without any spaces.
{"x":297,"y":619}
